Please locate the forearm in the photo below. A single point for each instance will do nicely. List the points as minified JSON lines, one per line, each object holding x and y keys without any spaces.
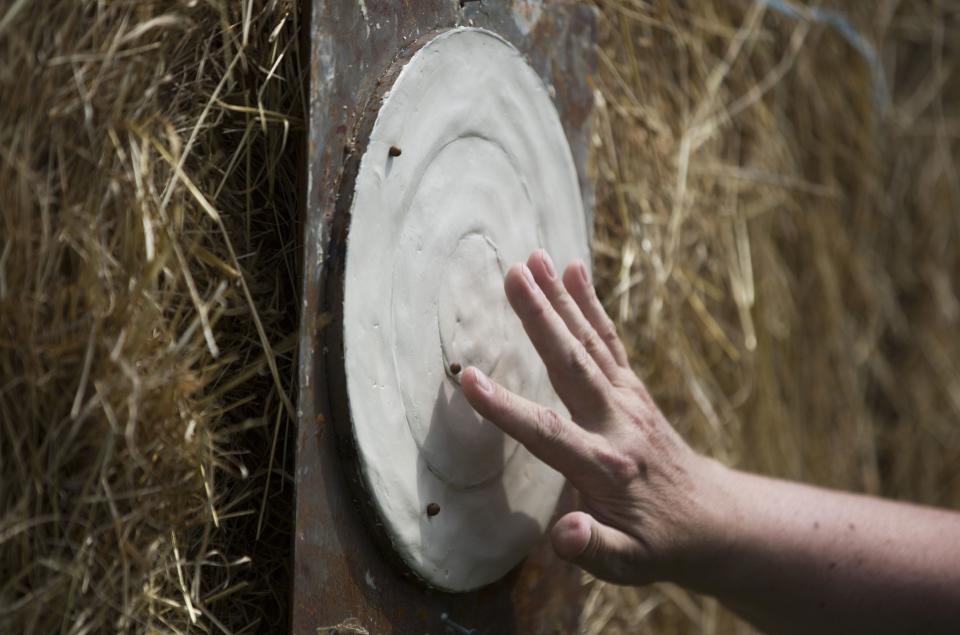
{"x":794,"y":558}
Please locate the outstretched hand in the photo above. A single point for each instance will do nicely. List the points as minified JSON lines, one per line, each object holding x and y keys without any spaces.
{"x":788,"y":557}
{"x":637,"y":478}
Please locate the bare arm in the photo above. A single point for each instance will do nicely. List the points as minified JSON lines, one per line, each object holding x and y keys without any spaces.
{"x":788,"y":557}
{"x":794,"y":558}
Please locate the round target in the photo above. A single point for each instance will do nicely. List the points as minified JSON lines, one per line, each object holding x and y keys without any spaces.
{"x":463,"y":169}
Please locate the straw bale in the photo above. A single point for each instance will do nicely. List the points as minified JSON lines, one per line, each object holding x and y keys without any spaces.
{"x":148,"y":175}
{"x":779,"y":252}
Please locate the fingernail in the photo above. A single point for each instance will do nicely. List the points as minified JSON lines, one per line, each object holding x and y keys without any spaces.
{"x":528,"y":276}
{"x":548,"y":264}
{"x":483,"y":383}
{"x":583,"y":273}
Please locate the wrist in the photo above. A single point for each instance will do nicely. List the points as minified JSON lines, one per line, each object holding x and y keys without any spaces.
{"x":710,"y":525}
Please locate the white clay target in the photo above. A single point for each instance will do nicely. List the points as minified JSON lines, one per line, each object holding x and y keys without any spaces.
{"x":484,"y":176}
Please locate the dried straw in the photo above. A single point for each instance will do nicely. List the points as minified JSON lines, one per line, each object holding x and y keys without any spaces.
{"x":780,"y":255}
{"x":781,"y":258}
{"x":148,"y":175}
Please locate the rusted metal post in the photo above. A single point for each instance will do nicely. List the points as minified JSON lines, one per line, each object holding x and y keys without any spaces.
{"x":340,"y":576}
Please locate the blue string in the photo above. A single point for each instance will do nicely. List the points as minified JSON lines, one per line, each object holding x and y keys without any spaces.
{"x":881,"y":96}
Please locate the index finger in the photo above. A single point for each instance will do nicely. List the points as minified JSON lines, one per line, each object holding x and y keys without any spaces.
{"x":552,"y":438}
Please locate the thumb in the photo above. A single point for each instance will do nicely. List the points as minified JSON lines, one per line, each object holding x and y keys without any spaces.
{"x":604,"y":552}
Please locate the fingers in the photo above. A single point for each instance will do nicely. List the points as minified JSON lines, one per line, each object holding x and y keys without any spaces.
{"x":555,"y":440}
{"x":577,"y":281}
{"x":575,"y":375}
{"x":546,"y":276}
{"x":605,"y":552}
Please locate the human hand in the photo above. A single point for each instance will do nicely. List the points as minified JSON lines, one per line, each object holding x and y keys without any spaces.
{"x":642,"y":488}
{"x":655,"y":510}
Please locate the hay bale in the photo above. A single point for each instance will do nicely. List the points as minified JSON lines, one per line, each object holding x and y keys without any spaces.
{"x":780,"y":256}
{"x":148,"y":175}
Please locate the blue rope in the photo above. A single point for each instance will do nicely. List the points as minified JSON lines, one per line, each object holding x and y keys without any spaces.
{"x":881,"y":96}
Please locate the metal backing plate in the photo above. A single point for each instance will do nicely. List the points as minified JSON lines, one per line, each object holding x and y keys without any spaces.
{"x":340,"y":576}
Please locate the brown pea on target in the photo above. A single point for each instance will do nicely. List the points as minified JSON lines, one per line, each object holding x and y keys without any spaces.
{"x":433,"y":509}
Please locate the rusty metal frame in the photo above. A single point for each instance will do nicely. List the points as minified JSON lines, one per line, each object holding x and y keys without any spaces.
{"x":342,"y":575}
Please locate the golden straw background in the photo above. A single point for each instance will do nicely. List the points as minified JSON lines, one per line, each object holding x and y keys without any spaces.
{"x":779,"y":252}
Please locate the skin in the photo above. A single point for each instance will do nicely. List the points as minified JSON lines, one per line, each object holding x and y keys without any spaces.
{"x":787,"y":557}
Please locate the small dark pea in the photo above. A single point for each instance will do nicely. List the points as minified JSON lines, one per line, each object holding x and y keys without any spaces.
{"x":455,"y":368}
{"x":394,"y":151}
{"x":433,"y":509}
